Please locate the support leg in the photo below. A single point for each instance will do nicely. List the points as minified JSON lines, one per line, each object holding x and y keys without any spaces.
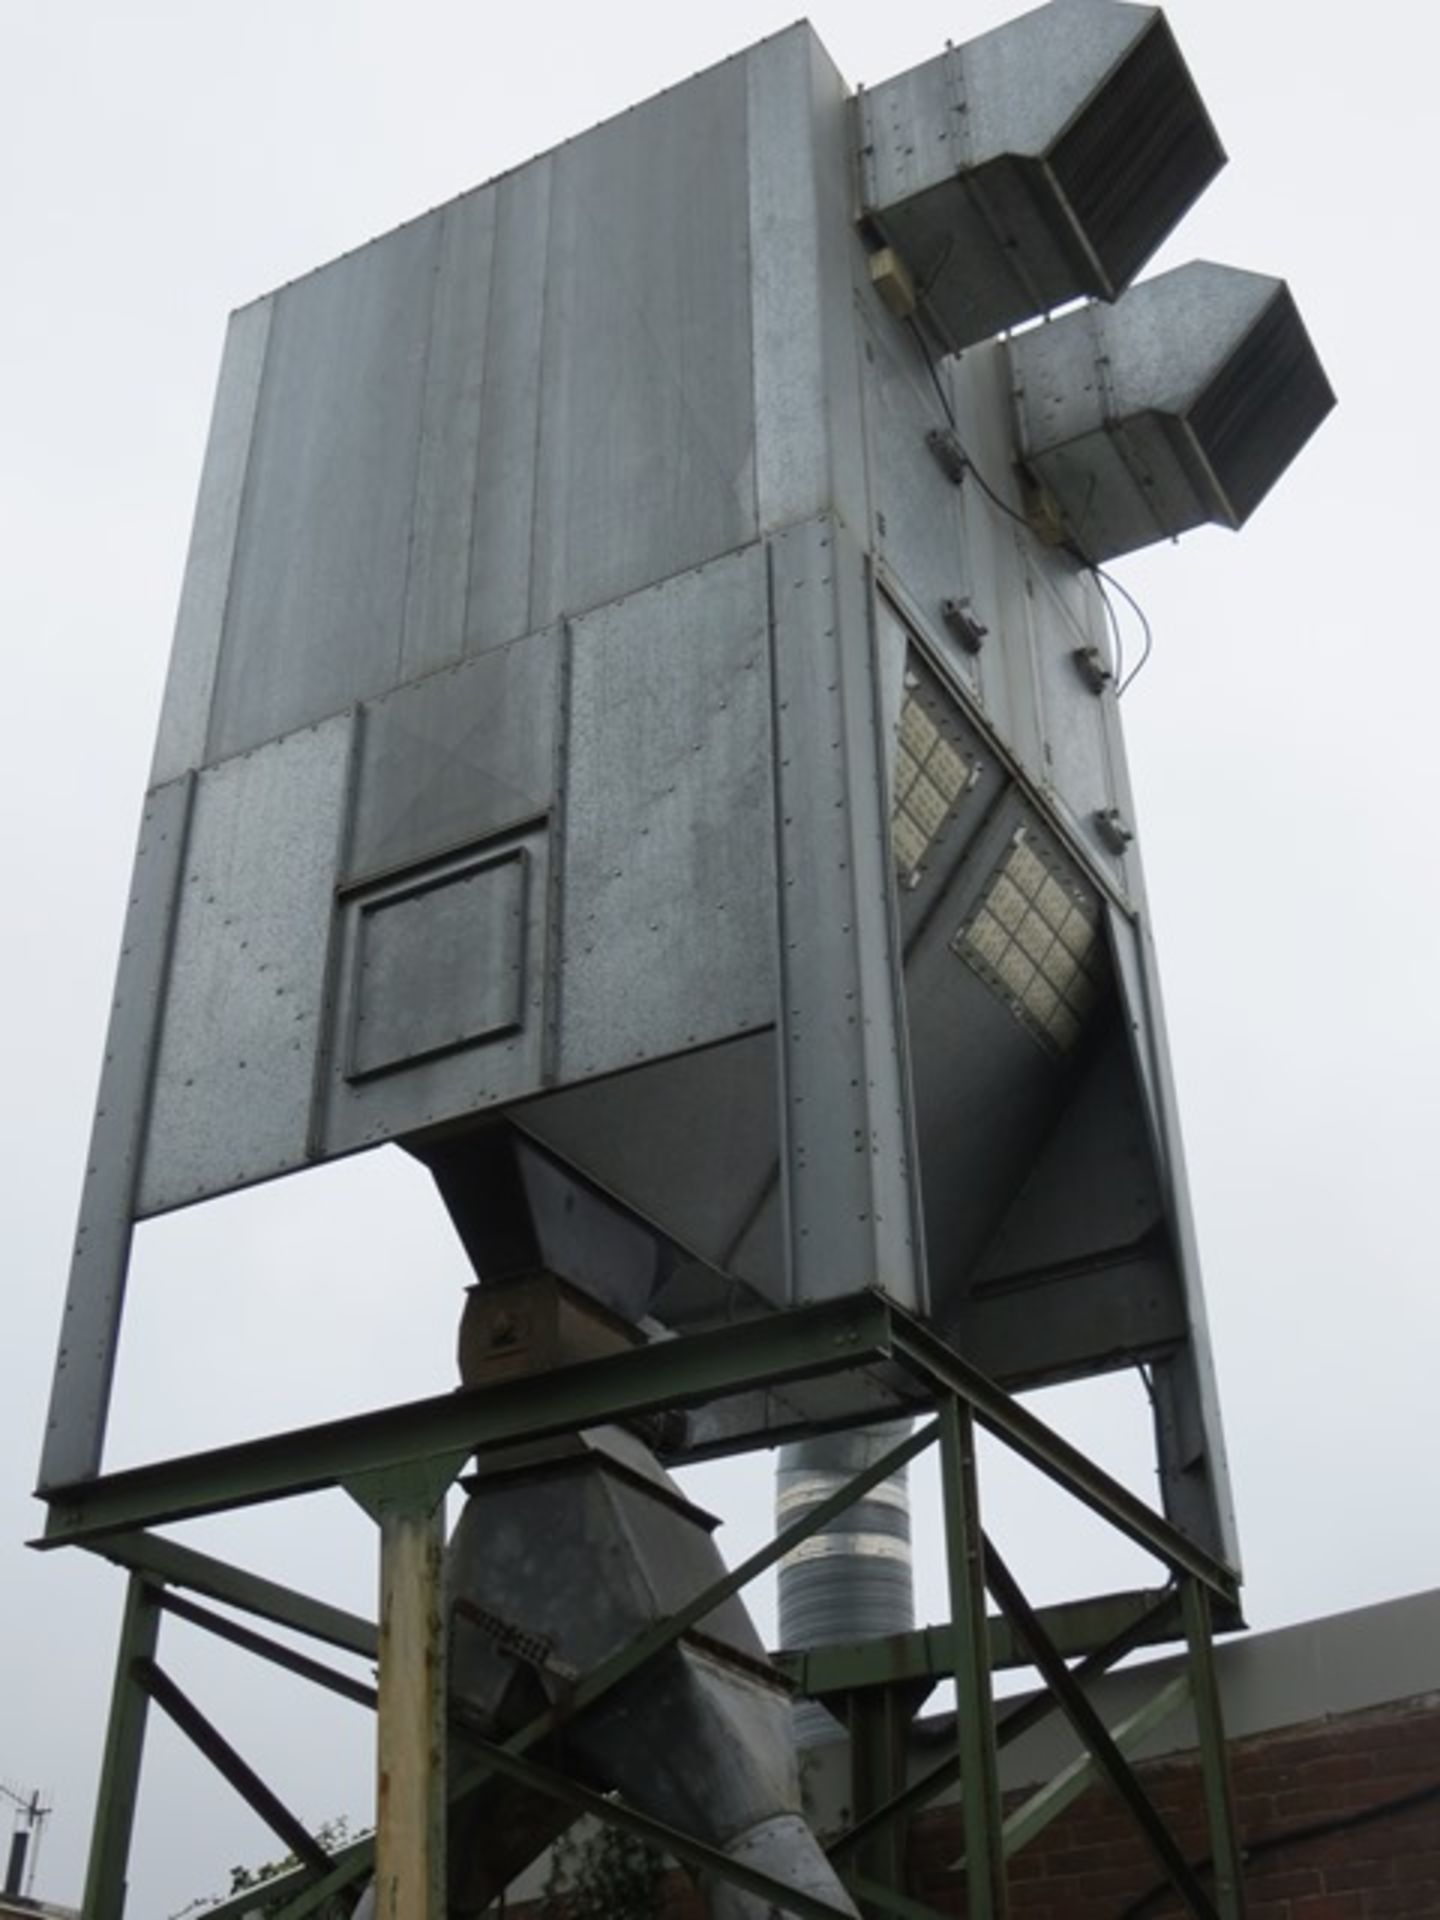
{"x":105,"y":1878}
{"x":1214,"y":1765}
{"x":974,"y":1705}
{"x":408,"y":1505}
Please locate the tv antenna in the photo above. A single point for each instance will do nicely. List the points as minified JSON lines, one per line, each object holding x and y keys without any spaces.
{"x":28,"y":1823}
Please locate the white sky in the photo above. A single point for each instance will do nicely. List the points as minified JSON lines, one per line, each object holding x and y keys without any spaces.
{"x":162,"y":163}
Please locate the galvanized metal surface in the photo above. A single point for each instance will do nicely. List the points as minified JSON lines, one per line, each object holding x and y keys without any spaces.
{"x":200,"y":622}
{"x":1182,"y":403}
{"x":560,"y":564}
{"x":242,"y":1027}
{"x":1040,"y":161}
{"x":324,"y":536}
{"x":668,"y":774}
{"x":94,"y":1300}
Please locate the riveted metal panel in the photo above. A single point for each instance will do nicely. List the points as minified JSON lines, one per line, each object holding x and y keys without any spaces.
{"x":790,"y":444}
{"x":916,"y":519}
{"x":690,"y":1142}
{"x":90,"y":1327}
{"x":646,"y":440}
{"x":456,"y":756}
{"x":504,"y":518}
{"x":1077,"y":772}
{"x":199,"y":623}
{"x":437,"y":583}
{"x":317,"y":597}
{"x":243,"y":1016}
{"x":668,"y":775}
{"x":439,"y":964}
{"x":456,"y":999}
{"x":847,"y":1154}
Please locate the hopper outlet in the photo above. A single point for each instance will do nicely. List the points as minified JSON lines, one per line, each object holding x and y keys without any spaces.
{"x":1041,"y":162}
{"x":1182,"y":403}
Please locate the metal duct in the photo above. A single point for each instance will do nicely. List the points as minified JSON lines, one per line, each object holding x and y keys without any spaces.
{"x":1182,"y":403}
{"x":1035,"y":164}
{"x":853,"y":1579}
{"x":564,"y":1553}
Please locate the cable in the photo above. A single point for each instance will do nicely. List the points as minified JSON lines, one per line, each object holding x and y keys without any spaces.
{"x":1139,"y":612}
{"x":1111,"y":615}
{"x":1072,"y":546}
{"x":939,"y":384}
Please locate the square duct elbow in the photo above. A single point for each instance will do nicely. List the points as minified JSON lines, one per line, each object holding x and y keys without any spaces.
{"x":1182,"y":403}
{"x":1036,"y":164}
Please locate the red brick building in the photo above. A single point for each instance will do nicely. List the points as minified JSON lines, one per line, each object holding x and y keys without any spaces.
{"x":1335,"y":1731}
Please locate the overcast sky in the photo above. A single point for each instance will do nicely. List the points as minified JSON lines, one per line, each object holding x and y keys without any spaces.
{"x":163,"y":163}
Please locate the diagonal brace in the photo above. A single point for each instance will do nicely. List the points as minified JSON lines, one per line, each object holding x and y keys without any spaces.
{"x":1096,"y":1736}
{"x":226,"y":1761}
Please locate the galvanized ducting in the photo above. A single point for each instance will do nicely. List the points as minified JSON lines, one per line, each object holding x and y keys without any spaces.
{"x":1182,"y":403}
{"x":853,"y":1578}
{"x":1038,"y":163}
{"x":563,"y":1554}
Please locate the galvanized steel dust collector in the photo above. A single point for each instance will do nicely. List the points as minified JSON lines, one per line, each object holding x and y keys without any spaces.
{"x":642,"y":736}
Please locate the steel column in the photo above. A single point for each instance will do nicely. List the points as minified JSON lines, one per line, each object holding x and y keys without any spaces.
{"x":105,"y":1878}
{"x":1214,"y":1763}
{"x":985,"y":1897}
{"x":1096,"y":1736}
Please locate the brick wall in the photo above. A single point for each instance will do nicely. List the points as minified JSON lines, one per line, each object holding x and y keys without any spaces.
{"x":1305,"y":1797}
{"x":1091,"y":1864}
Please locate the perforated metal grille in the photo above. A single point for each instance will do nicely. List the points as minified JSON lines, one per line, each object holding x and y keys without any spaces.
{"x":931,"y":774}
{"x":1136,"y":156}
{"x":1262,"y":407}
{"x":1035,"y":937}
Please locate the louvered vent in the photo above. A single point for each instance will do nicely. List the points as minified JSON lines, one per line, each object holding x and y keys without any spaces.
{"x":1261,"y":407}
{"x":1183,"y":402}
{"x":1036,"y":164}
{"x":1135,"y":157}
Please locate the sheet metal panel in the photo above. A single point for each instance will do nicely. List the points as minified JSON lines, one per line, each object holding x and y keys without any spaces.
{"x":452,"y":986}
{"x":1194,"y":1474}
{"x":317,"y":597}
{"x":454,"y":757}
{"x":792,"y":453}
{"x":200,"y":621}
{"x":690,"y":1142}
{"x":498,"y":606}
{"x":1078,"y":778}
{"x":647,"y":429}
{"x":667,"y":919}
{"x":847,"y":1149}
{"x":247,"y":983}
{"x":90,"y":1326}
{"x":916,"y":518}
{"x":437,"y":583}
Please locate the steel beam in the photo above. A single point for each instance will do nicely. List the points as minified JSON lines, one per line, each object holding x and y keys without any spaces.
{"x":985,"y":1897}
{"x":832,"y":1337}
{"x":106,"y":1875}
{"x":315,"y":1671}
{"x":205,"y":1735}
{"x":1214,"y":1765}
{"x":1028,"y":1436}
{"x":680,"y":1846}
{"x":167,"y":1562}
{"x":1010,"y":1725}
{"x":1096,"y":1736}
{"x":1076,"y":1627}
{"x":1051,"y":1800}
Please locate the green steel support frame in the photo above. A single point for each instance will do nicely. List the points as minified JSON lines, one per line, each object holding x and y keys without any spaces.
{"x":400,"y":1460}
